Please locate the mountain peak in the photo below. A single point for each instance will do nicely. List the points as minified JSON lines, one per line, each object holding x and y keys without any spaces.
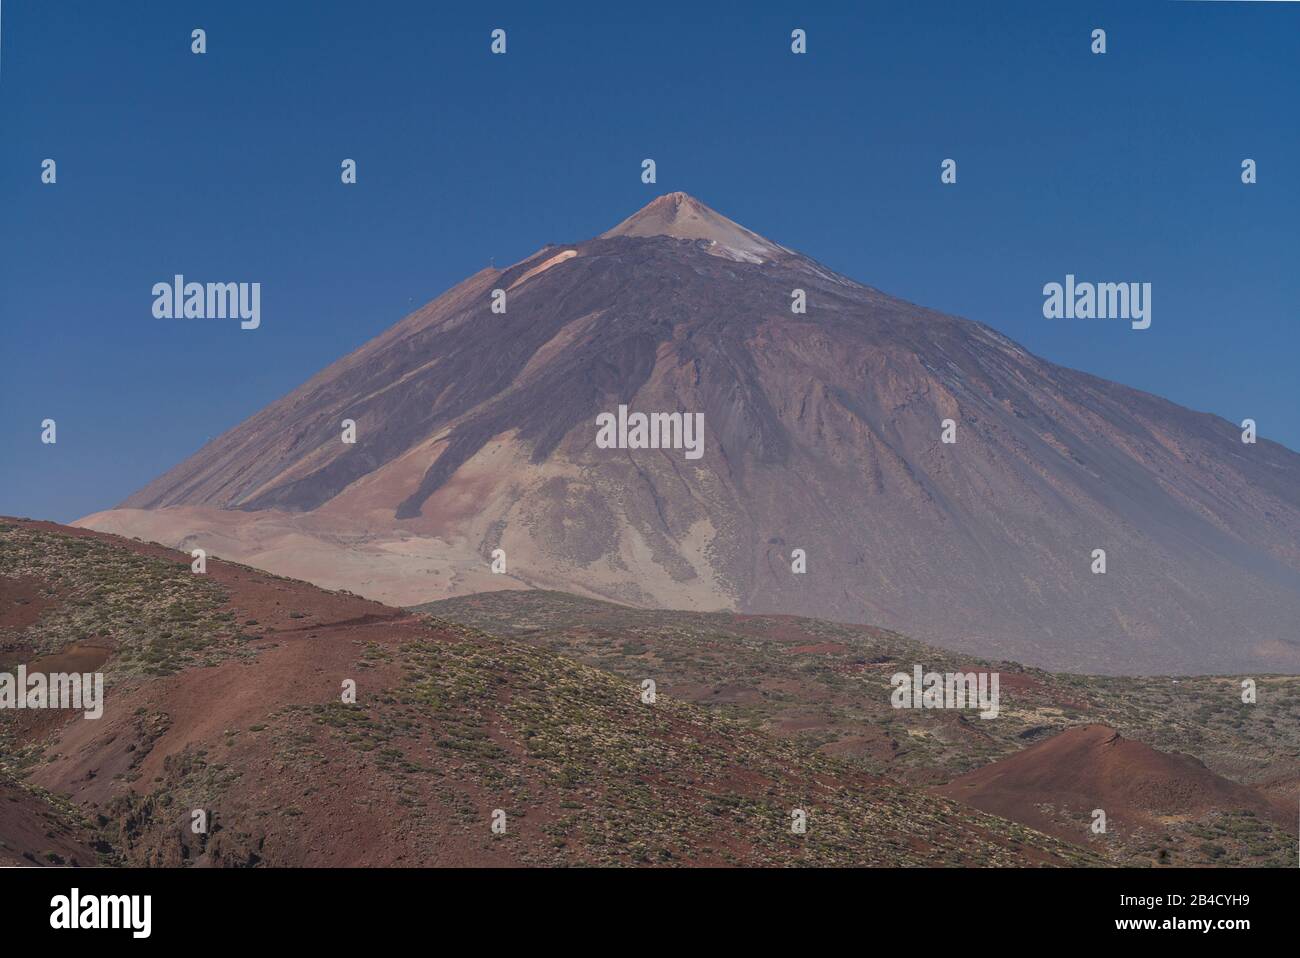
{"x":477,"y":430}
{"x":682,"y":216}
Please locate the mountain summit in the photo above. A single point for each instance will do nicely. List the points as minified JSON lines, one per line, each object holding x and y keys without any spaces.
{"x":476,"y":443}
{"x":684,"y":217}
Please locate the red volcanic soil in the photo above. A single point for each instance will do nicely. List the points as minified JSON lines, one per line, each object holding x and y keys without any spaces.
{"x":32,"y":834}
{"x":307,"y":640}
{"x":25,"y":601}
{"x":255,"y":737}
{"x":1093,"y":766}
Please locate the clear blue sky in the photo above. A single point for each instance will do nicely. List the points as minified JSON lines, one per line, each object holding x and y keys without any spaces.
{"x":226,"y":167}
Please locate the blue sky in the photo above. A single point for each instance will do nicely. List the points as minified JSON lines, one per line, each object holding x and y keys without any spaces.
{"x":225,"y":166}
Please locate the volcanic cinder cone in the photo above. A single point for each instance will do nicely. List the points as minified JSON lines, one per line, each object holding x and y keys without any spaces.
{"x":1093,"y":766}
{"x":477,"y":431}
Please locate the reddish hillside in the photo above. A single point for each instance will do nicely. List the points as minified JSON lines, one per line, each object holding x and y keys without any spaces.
{"x":36,"y":831}
{"x":224,"y":696}
{"x":1055,"y":785}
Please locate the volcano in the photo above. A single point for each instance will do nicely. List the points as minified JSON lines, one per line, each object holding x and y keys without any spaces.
{"x":476,"y":431}
{"x":1088,"y":766}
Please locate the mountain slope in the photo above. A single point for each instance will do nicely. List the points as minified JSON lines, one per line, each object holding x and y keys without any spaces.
{"x":1197,"y":778}
{"x":223,"y":695}
{"x":477,"y":431}
{"x":828,"y":684}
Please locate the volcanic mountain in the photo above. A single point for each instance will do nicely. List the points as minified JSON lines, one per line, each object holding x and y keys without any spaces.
{"x":476,"y":430}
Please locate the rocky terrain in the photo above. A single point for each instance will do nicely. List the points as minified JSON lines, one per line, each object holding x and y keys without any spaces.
{"x":225,"y":696}
{"x":1187,"y":772}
